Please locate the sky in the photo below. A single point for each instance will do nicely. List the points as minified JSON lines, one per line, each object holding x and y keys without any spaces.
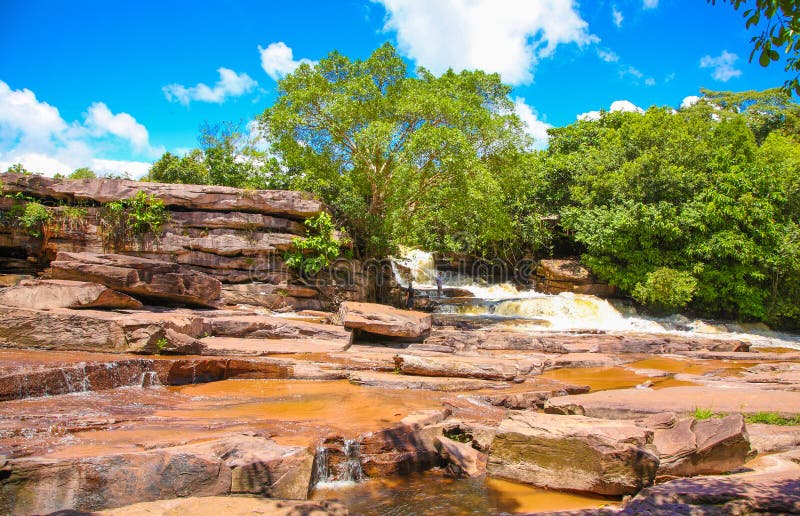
{"x":113,"y":85}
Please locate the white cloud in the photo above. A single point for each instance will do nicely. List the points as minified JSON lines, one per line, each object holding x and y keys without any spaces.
{"x":630,"y":70}
{"x":649,"y":82}
{"x":32,"y":132}
{"x":607,"y":55}
{"x":650,"y":4}
{"x":617,"y":105}
{"x":689,"y":101}
{"x":278,"y":60}
{"x":230,"y":84}
{"x":723,"y":66}
{"x":509,"y":37}
{"x":535,"y":127}
{"x":616,"y":15}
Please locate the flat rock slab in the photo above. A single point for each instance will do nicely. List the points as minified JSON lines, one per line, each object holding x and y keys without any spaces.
{"x":385,"y":320}
{"x":293,"y":204}
{"x":45,"y":294}
{"x":486,"y":368}
{"x":631,"y":403}
{"x":232,"y":465}
{"x":257,"y":326}
{"x":573,"y":452}
{"x":461,"y":340}
{"x":150,"y":279}
{"x":230,"y":506}
{"x":432,"y":383}
{"x":232,"y":346}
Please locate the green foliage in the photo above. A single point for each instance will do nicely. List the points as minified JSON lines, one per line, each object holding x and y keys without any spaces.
{"x":400,"y":159}
{"x":318,"y":250}
{"x":82,"y":173}
{"x":18,"y":168}
{"x":772,"y":418}
{"x":161,"y":345}
{"x":35,"y":219}
{"x":701,"y":414}
{"x":779,"y":21}
{"x":666,"y":289}
{"x":124,"y":221}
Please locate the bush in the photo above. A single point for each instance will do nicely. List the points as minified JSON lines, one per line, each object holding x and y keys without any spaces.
{"x":666,"y":289}
{"x":122,"y":222}
{"x":317,"y":251}
{"x":35,"y":219}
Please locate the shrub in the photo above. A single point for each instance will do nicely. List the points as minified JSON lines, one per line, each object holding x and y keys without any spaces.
{"x":123,"y":221}
{"x":35,"y":219}
{"x":318,"y":250}
{"x":666,"y":289}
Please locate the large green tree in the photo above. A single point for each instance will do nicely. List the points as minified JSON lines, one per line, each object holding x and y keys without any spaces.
{"x":402,"y":159}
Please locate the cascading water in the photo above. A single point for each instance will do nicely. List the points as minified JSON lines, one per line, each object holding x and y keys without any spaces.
{"x":534,"y":311}
{"x":351,"y":467}
{"x":347,"y":472}
{"x":321,"y":470}
{"x":149,"y":379}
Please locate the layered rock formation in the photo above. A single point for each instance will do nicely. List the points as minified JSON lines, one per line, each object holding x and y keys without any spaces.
{"x":556,"y":276}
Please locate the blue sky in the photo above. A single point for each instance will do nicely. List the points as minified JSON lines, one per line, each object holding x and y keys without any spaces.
{"x":112,"y":85}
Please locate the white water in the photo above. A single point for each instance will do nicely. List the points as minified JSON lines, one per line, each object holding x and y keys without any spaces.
{"x":535,"y":311}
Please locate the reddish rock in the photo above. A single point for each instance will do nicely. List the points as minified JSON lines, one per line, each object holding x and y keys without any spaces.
{"x":385,"y":320}
{"x":461,"y":340}
{"x":150,"y":279}
{"x":486,"y":368}
{"x":256,"y":326}
{"x":65,"y":294}
{"x":463,"y":460}
{"x":574,"y":453}
{"x":230,"y":506}
{"x":556,"y":276}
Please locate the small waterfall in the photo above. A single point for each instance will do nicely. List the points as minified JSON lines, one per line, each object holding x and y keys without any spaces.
{"x":350,"y":469}
{"x":149,"y":379}
{"x":321,"y":470}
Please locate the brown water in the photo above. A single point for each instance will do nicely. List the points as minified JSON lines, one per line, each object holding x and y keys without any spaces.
{"x":607,"y":378}
{"x":433,"y":494}
{"x":693,"y":367}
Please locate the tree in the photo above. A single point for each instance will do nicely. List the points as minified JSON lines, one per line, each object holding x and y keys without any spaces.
{"x":411,"y":160}
{"x":82,"y":173}
{"x":781,"y":31}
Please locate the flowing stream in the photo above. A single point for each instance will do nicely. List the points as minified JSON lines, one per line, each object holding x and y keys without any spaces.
{"x":528,"y":310}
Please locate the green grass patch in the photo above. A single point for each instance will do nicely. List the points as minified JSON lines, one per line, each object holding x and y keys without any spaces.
{"x":772,"y":418}
{"x":701,"y":414}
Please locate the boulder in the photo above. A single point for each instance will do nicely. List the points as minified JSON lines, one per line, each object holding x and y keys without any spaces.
{"x":238,"y":464}
{"x":291,"y":204}
{"x":574,"y":453}
{"x":149,"y":279}
{"x":556,"y":276}
{"x":463,"y":460}
{"x":230,"y":506}
{"x":385,"y":320}
{"x":486,"y":368}
{"x":689,"y":447}
{"x":271,"y":296}
{"x":43,"y":294}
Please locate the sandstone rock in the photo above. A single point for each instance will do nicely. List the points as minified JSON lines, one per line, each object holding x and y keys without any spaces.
{"x":575,"y":453}
{"x":298,"y":205}
{"x":690,"y":447}
{"x":271,"y":296}
{"x":151,"y":279}
{"x":434,"y":383}
{"x":486,"y":368}
{"x":556,"y":276}
{"x":384,"y":320}
{"x":533,"y":398}
{"x":631,"y":403}
{"x":268,"y":327}
{"x":65,"y":294}
{"x":234,"y":220}
{"x":225,"y":466}
{"x":235,"y":346}
{"x":460,"y":340}
{"x":92,"y":330}
{"x":230,"y":506}
{"x":463,"y":460}
{"x":773,"y":438}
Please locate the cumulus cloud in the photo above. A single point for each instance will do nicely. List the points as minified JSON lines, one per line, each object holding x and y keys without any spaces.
{"x":649,"y":82}
{"x":607,"y":55}
{"x":689,"y":101}
{"x":722,"y":66}
{"x":230,"y":84}
{"x":509,"y":37}
{"x":535,"y":127}
{"x":617,"y":105}
{"x":650,"y":4}
{"x":278,"y":60}
{"x":616,"y":15}
{"x":33,"y":132}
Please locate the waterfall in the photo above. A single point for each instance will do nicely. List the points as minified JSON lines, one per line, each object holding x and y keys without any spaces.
{"x":321,"y":472}
{"x":149,"y":379}
{"x":350,"y":469}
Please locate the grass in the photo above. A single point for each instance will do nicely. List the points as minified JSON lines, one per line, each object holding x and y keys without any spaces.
{"x":772,"y":418}
{"x":701,"y":414}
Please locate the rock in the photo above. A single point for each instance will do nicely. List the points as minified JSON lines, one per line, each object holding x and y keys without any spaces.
{"x":774,"y":490}
{"x":575,"y":453}
{"x":385,"y":320}
{"x":556,"y":276}
{"x":65,"y":294}
{"x":150,"y":279}
{"x":235,"y":346}
{"x":463,"y":460}
{"x":533,"y":398}
{"x":434,"y":383}
{"x":461,"y":340}
{"x":292,"y":204}
{"x":230,"y":506}
{"x":691,"y":447}
{"x":271,"y":296}
{"x":258,"y":326}
{"x":93,"y":330}
{"x":486,"y":368}
{"x":773,"y":438}
{"x":234,"y":220}
{"x":238,"y":464}
{"x":631,"y":403}
{"x":10,"y":280}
